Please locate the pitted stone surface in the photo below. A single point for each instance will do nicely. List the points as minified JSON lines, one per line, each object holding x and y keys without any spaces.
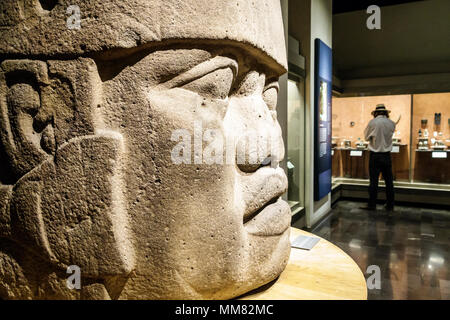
{"x":87,"y":125}
{"x":28,"y":29}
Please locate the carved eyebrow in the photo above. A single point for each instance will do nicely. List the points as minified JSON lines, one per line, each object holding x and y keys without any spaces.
{"x":201,"y":70}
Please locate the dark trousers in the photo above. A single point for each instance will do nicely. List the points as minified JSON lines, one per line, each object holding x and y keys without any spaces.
{"x":381,"y":162}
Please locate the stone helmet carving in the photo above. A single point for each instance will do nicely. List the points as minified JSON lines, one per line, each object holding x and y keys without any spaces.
{"x":87,"y":120}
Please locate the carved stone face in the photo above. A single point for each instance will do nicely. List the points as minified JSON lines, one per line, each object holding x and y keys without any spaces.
{"x":89,"y":177}
{"x":196,"y":239}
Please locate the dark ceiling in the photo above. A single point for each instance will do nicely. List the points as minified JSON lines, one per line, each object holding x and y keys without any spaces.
{"x":341,"y":6}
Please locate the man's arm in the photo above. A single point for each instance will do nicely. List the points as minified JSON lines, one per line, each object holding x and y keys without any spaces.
{"x":369,"y":132}
{"x":394,"y":125}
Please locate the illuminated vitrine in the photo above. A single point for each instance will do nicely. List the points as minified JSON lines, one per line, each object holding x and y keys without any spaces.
{"x":421,"y":140}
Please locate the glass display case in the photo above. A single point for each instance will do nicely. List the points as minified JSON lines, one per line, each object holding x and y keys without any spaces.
{"x":296,"y":143}
{"x":421,"y":141}
{"x":430,"y":130}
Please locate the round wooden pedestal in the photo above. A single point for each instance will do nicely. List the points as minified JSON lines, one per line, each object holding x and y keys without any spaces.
{"x":323,"y":273}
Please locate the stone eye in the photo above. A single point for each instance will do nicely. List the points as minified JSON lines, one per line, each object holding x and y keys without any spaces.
{"x":215,"y":85}
{"x":270,"y":96}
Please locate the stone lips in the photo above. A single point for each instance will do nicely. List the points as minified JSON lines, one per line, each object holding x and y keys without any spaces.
{"x":28,"y":29}
{"x":273,"y":220}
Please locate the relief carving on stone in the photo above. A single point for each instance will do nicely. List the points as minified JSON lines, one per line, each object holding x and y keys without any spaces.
{"x":87,"y":120}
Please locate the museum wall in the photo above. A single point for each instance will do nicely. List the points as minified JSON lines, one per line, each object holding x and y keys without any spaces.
{"x":411,"y":41}
{"x":407,"y":55}
{"x":314,"y":20}
{"x":321,"y":28}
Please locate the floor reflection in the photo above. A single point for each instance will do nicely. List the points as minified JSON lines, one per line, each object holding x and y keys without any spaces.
{"x":411,"y":249}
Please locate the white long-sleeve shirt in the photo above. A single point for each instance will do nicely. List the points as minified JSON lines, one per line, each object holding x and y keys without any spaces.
{"x":379,"y":133}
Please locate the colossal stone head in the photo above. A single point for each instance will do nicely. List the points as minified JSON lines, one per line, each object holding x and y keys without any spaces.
{"x":90,"y":112}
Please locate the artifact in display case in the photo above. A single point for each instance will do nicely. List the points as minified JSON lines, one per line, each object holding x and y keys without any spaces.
{"x":347,"y":144}
{"x":437,"y":119}
{"x":423,"y":135}
{"x":422,"y":144}
{"x":396,"y":140}
{"x":361,"y":145}
{"x":334,"y":142}
{"x":437,"y":143}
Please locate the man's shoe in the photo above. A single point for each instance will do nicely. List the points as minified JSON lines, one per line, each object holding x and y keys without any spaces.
{"x":370,"y":208}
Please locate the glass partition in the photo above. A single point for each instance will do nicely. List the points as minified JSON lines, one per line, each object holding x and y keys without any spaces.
{"x":296,"y":143}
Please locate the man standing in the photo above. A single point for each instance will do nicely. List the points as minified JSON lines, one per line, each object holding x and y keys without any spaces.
{"x":379,"y":133}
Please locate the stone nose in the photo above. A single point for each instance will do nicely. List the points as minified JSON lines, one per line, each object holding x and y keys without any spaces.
{"x":257,"y":135}
{"x":258,"y":148}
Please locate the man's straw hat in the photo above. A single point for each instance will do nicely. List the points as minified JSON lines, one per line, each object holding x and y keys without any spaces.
{"x":381,"y":108}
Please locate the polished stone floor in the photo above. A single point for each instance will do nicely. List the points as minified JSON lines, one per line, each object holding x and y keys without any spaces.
{"x":412,"y":249}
